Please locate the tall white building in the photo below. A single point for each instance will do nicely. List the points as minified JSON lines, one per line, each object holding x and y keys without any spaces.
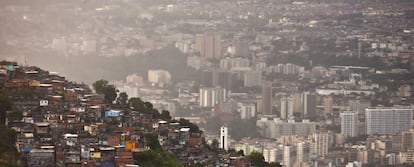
{"x":300,"y":148}
{"x":286,"y":156}
{"x":270,"y":154}
{"x":383,"y":120}
{"x":320,"y":144}
{"x":286,"y":108}
{"x":349,"y":124}
{"x":209,"y":97}
{"x":224,"y":138}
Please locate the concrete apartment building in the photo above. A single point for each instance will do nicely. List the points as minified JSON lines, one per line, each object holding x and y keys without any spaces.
{"x":388,"y":120}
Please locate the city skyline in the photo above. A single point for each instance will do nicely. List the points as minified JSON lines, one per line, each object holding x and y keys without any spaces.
{"x":312,"y":83}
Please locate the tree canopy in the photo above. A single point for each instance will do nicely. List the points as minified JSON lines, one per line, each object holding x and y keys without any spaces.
{"x":193,"y":127}
{"x":165,"y":115}
{"x":7,"y":147}
{"x":109,"y":90}
{"x":122,"y":100}
{"x":137,"y":104}
{"x":258,"y":160}
{"x":156,"y":156}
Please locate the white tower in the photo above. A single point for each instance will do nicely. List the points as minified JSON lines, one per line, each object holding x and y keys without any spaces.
{"x":224,"y":137}
{"x":349,"y":124}
{"x":299,"y":152}
{"x":321,"y":144}
{"x":286,"y":156}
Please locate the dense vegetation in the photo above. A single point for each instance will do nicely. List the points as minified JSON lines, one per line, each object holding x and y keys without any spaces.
{"x":5,"y":105}
{"x":156,"y":156}
{"x":8,"y":152}
{"x":7,"y":141}
{"x":102,"y":87}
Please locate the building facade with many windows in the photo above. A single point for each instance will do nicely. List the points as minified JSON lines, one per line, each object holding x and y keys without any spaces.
{"x":388,"y":120}
{"x":349,"y":124}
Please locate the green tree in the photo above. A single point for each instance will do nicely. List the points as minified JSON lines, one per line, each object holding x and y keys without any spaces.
{"x":193,"y":127}
{"x":165,"y":115}
{"x":136,"y":104}
{"x":142,"y":107}
{"x":148,"y":106}
{"x":257,"y":159}
{"x":100,"y":85}
{"x":7,"y":147}
{"x":109,"y":90}
{"x":215,"y":145}
{"x":5,"y":105}
{"x":240,"y":153}
{"x":155,"y":113}
{"x":110,"y":94}
{"x":156,"y":156}
{"x":8,"y":140}
{"x":122,"y":100}
{"x":151,"y":140}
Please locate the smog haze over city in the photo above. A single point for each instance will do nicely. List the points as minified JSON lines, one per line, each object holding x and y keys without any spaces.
{"x":177,"y":83}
